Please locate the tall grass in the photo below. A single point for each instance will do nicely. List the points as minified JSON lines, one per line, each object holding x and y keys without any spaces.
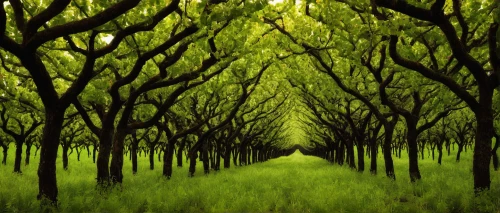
{"x":296,"y":183}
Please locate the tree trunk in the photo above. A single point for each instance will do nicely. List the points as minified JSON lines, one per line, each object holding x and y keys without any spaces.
{"x":167,"y":158}
{"x":105,"y":141}
{"x":211,"y":155}
{"x":411,"y":137}
{"x":78,"y":152}
{"x":116,"y":172}
{"x":400,"y":147}
{"x":460,"y":149}
{"x":65,"y":157}
{"x":361,"y":156}
{"x":28,"y":154}
{"x":47,"y":182}
{"x":227,"y":155}
{"x":206,"y":159}
{"x":433,"y":148}
{"x":235,"y":155}
{"x":151,"y":158}
{"x":94,"y":150}
{"x":341,"y":153}
{"x":133,"y":156}
{"x":193,"y":154}
{"x":494,"y":152}
{"x":249,"y":155}
{"x":440,"y":153}
{"x":242,"y":155}
{"x":19,"y":153}
{"x":5,"y":151}
{"x":422,"y":151}
{"x":373,"y":157}
{"x":389,"y":164}
{"x":179,"y":152}
{"x":218,"y":156}
{"x":482,"y":148}
{"x":254,"y":153}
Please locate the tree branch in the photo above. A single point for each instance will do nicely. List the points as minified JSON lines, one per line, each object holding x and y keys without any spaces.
{"x":86,"y":118}
{"x":428,"y":73}
{"x":39,"y":38}
{"x":143,"y":26}
{"x":494,"y":58}
{"x":17,"y":6}
{"x":56,"y":7}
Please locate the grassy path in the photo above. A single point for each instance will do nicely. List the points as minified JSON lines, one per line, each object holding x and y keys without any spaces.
{"x":296,"y":183}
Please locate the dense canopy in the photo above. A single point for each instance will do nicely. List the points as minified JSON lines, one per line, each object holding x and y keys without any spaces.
{"x":247,"y":81}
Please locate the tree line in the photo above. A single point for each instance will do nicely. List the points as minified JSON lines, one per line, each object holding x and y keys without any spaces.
{"x":394,"y":75}
{"x":210,"y":79}
{"x":136,"y":76}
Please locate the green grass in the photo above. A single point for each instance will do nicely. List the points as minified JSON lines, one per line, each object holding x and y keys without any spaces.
{"x":296,"y":183}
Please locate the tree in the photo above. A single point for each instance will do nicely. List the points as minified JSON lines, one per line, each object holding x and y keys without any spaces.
{"x":20,"y":132}
{"x":460,"y":46}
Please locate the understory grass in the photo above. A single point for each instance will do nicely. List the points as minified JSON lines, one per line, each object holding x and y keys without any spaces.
{"x":296,"y":183}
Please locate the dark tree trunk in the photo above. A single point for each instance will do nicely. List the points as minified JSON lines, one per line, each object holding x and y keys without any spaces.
{"x":94,"y":150}
{"x":373,"y":157}
{"x":206,"y":159}
{"x":433,"y":153}
{"x":227,"y":155}
{"x":242,"y":155}
{"x":411,"y":137}
{"x":116,"y":172}
{"x":78,"y":152}
{"x":28,"y":154}
{"x":400,"y":147}
{"x":65,"y":157}
{"x":440,"y":153}
{"x":494,"y":152}
{"x":130,"y":156}
{"x":179,"y":153}
{"x":254,"y":152}
{"x":47,"y":182}
{"x":105,"y":141}
{"x":361,"y":156}
{"x":218,"y":156}
{"x":19,"y":153}
{"x":36,"y":150}
{"x":482,"y":148}
{"x":211,"y":155}
{"x":168,"y":155}
{"x":193,"y":154}
{"x":341,"y":153}
{"x":151,"y":158}
{"x":249,"y":155}
{"x":422,"y":151}
{"x":133,"y":156}
{"x":389,"y":164}
{"x":460,"y":149}
{"x":5,"y":151}
{"x":235,"y":156}
{"x":350,"y":155}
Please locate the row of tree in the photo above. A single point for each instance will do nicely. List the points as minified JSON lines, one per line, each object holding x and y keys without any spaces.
{"x":187,"y":77}
{"x":208,"y":77}
{"x":428,"y":70}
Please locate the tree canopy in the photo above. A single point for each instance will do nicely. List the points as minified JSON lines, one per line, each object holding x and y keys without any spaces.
{"x":253,"y":77}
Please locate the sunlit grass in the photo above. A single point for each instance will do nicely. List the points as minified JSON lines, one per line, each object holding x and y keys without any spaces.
{"x":295,"y":183}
